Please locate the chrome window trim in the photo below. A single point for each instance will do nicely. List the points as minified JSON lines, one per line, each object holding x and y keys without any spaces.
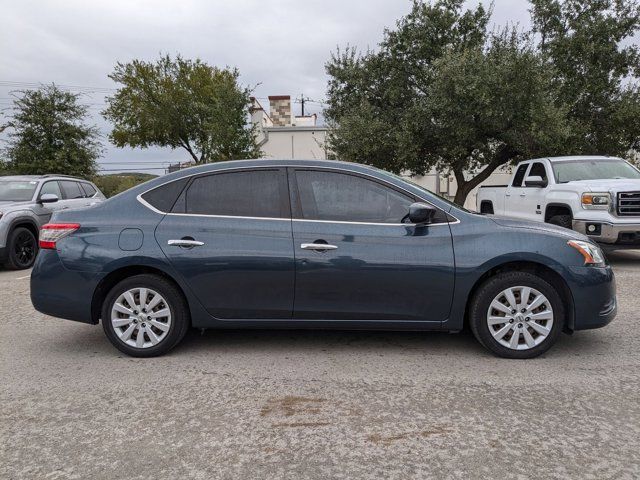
{"x":338,"y":170}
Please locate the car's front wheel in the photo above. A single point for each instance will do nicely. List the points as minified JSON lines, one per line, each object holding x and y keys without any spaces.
{"x":517,"y":315}
{"x":145,"y":315}
{"x":22,"y":248}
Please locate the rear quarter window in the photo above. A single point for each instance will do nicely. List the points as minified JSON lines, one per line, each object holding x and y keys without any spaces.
{"x":89,"y":190}
{"x":163,"y":197}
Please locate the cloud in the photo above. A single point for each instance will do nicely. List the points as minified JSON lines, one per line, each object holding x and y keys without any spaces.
{"x":279,"y":46}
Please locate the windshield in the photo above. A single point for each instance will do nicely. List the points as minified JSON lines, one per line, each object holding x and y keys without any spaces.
{"x":17,"y":190}
{"x":593,"y":170}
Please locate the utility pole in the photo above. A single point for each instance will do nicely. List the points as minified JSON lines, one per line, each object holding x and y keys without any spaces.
{"x":303,"y":99}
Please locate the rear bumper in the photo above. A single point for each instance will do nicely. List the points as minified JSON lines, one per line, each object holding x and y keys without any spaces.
{"x":60,"y":292}
{"x":623,"y":234}
{"x":4,"y":254}
{"x":594,"y":296}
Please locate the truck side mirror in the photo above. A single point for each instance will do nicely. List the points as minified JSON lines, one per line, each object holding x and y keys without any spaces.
{"x":535,"y":181}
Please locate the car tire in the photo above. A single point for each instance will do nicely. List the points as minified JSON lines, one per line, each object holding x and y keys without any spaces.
{"x":565,"y":221}
{"x":162,"y":326}
{"x":22,"y":248}
{"x":530,"y":340}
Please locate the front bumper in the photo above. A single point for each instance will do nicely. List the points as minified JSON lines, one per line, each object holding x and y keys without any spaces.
{"x":594,"y":296}
{"x":624,"y":234}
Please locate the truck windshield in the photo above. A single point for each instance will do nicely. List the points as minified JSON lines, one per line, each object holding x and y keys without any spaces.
{"x":17,"y":190}
{"x":574,"y":170}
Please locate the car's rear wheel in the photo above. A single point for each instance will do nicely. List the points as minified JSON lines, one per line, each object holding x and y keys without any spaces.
{"x":22,"y":247}
{"x":145,"y":316}
{"x":517,"y":315}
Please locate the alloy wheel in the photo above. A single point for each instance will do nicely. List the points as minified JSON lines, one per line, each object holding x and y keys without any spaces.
{"x":141,"y":317}
{"x":24,"y":248}
{"x":520,"y":318}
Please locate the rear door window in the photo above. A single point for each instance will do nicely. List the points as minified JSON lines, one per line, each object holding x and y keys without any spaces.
{"x":254,"y":193}
{"x":334,"y":196}
{"x":71,"y":189}
{"x":519,"y":176}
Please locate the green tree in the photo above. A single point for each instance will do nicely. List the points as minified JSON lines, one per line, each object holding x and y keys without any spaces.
{"x":181,"y":103}
{"x":589,"y":43}
{"x":443,"y":92}
{"x":116,"y":183}
{"x":49,"y":134}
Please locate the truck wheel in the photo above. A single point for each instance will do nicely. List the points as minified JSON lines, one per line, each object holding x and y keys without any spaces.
{"x":22,"y":249}
{"x":516,"y":315}
{"x":145,"y":316}
{"x":565,"y":221}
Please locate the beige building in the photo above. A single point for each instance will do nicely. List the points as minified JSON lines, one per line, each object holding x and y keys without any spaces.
{"x":281,"y":134}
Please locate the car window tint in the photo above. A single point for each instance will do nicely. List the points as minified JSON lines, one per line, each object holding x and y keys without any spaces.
{"x":52,"y":188}
{"x":71,"y":190}
{"x":350,"y":198}
{"x":255,"y":193}
{"x":164,"y":196}
{"x":519,"y":176}
{"x":89,"y":191}
{"x":538,"y":170}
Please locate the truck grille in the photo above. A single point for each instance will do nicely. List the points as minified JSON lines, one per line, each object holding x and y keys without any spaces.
{"x":628,"y":204}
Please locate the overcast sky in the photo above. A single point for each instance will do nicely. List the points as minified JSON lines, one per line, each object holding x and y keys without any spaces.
{"x":279,"y":46}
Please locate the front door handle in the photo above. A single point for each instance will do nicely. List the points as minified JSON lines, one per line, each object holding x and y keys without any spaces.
{"x":318,"y":246}
{"x":523,"y":194}
{"x":185,"y":243}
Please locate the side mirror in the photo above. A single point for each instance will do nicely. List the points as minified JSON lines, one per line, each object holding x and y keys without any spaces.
{"x":535,"y":181}
{"x":48,"y":198}
{"x":421,"y":213}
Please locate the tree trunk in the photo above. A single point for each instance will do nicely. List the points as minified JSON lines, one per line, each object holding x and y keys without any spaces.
{"x":465,"y":186}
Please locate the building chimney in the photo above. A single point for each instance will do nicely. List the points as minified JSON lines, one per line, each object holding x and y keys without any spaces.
{"x":280,"y":110}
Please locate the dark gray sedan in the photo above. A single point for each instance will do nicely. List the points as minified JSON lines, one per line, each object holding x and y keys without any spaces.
{"x":313,"y":244}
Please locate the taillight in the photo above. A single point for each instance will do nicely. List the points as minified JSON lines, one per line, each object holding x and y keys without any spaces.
{"x":52,"y":232}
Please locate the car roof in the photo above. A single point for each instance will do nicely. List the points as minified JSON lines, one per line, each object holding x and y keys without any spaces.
{"x":42,"y":177}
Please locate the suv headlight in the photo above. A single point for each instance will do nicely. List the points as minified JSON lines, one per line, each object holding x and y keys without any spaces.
{"x":596,"y":201}
{"x":591,"y":253}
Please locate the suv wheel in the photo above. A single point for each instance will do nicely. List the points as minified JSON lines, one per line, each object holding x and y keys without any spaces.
{"x":517,"y":315}
{"x":22,"y":247}
{"x":145,"y":316}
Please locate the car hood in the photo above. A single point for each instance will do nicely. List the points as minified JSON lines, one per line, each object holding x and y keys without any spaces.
{"x":539,"y":227}
{"x":9,"y":204}
{"x":609,"y":185}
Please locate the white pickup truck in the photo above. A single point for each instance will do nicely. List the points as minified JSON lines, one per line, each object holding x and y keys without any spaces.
{"x":597,"y":196}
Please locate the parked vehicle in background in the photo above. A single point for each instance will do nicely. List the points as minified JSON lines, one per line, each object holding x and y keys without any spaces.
{"x":313,"y":244}
{"x":27,"y":203}
{"x":597,"y":196}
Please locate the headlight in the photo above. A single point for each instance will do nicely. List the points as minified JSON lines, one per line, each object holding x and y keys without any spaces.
{"x":591,"y":253}
{"x":596,"y":201}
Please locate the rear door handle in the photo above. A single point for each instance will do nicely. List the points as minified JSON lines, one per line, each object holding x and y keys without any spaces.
{"x":523,"y":194}
{"x":318,"y":246}
{"x":185,"y":243}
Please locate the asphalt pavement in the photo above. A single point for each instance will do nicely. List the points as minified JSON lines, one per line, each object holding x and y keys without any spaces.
{"x":316,"y":404}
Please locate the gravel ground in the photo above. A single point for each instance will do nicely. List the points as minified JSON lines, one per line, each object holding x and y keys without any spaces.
{"x":303,"y":404}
